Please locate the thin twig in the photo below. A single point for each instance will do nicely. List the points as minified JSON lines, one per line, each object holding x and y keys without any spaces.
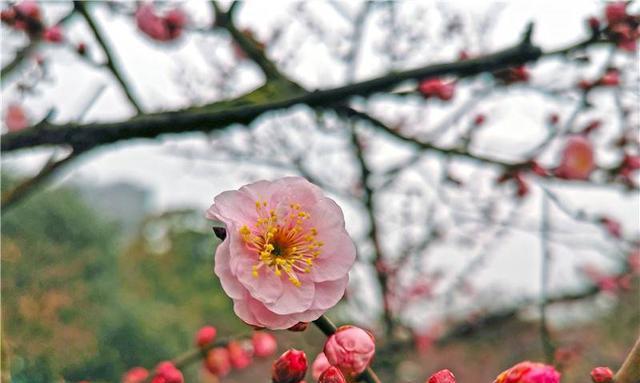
{"x":111,"y":63}
{"x":545,"y":336}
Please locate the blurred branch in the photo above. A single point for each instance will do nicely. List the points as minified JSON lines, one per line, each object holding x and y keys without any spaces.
{"x":545,"y":336}
{"x":111,"y":63}
{"x":11,"y":197}
{"x":630,"y":370}
{"x":246,"y":43}
{"x":219,"y":115}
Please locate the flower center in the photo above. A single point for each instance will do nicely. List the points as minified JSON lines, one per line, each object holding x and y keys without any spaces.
{"x":282,"y":242}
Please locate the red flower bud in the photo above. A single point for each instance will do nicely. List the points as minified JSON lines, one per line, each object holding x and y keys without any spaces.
{"x":135,"y":375}
{"x":264,"y":344}
{"x":442,"y":376}
{"x":601,"y":375}
{"x":217,"y":361}
{"x":205,"y":336}
{"x":290,"y":367}
{"x":166,"y":372}
{"x":238,"y":355}
{"x":479,"y":119}
{"x":332,"y":375}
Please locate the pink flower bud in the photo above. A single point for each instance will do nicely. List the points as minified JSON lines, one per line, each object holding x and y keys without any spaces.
{"x":15,"y":118}
{"x":616,"y":12}
{"x":442,"y":376}
{"x":217,"y":361}
{"x":205,"y":336}
{"x":350,"y":349}
{"x":435,"y":87}
{"x":610,"y":78}
{"x":290,"y":367}
{"x":601,"y":375}
{"x":529,"y":372}
{"x":577,"y":159}
{"x":332,"y":375}
{"x":264,"y":344}
{"x":166,"y":372}
{"x":53,"y":34}
{"x":319,"y":365}
{"x":135,"y":375}
{"x":479,"y":119}
{"x":238,"y":355}
{"x":554,"y":118}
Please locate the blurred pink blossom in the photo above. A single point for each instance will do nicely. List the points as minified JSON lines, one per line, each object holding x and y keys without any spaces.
{"x":15,"y":118}
{"x":264,"y":344}
{"x":577,"y":160}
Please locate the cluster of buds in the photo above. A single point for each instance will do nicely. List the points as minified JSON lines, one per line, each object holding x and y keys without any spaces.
{"x":347,"y":354}
{"x":217,"y":360}
{"x":238,"y":355}
{"x":26,"y":16}
{"x":435,"y":87}
{"x":166,"y":372}
{"x":167,"y":27}
{"x":610,"y":78}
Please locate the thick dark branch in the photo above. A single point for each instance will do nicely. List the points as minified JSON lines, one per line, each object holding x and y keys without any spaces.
{"x":111,"y":63}
{"x":211,"y":118}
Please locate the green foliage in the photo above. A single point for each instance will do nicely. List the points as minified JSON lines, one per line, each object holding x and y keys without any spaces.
{"x":78,"y":306}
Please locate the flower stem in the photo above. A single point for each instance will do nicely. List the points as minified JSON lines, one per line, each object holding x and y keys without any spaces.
{"x":630,"y":370}
{"x":328,"y":328}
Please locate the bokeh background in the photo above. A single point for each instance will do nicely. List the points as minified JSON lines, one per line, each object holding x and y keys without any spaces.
{"x":108,"y":264}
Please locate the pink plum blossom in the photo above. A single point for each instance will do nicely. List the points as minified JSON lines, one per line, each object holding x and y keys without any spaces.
{"x":15,"y":118}
{"x":161,"y":28}
{"x":529,"y":372}
{"x":577,"y":159}
{"x":264,"y":344}
{"x":286,"y":256}
{"x":350,"y":349}
{"x":319,"y":365}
